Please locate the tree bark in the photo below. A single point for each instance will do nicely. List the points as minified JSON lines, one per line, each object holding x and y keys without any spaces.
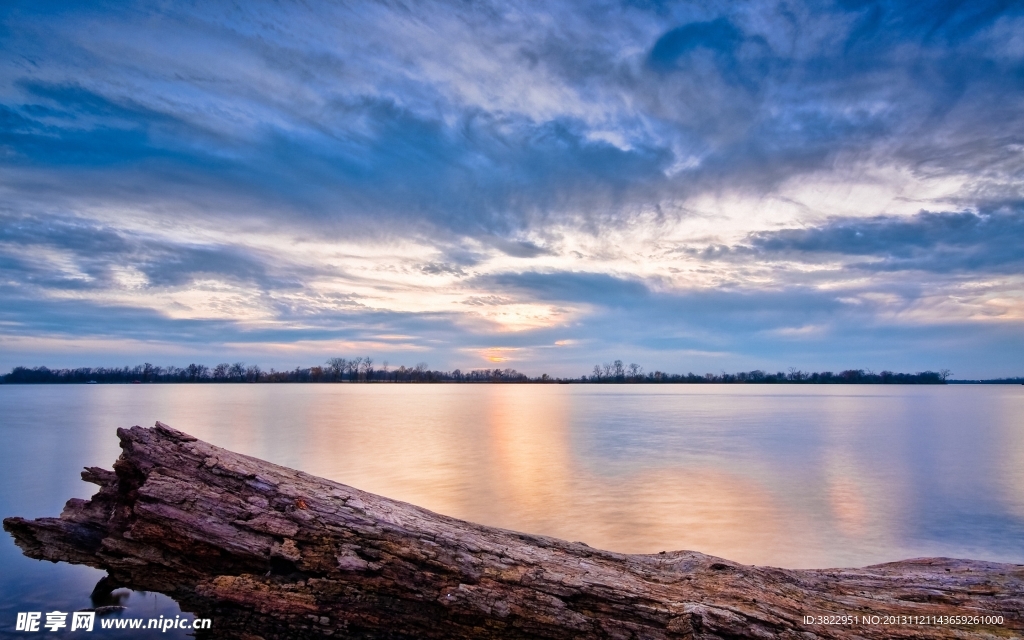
{"x":269,"y":552}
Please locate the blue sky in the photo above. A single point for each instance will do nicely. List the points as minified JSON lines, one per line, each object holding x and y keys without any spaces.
{"x":692,"y":187}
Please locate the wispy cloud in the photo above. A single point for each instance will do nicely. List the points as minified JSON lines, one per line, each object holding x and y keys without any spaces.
{"x":756,"y":181}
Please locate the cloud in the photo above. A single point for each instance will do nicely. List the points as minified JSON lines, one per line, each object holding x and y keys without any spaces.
{"x":389,"y":139}
{"x":719,"y":35}
{"x":693,"y":178}
{"x":963,"y":242}
{"x":438,"y":268}
{"x":521,"y":249}
{"x":487,"y":301}
{"x":564,"y":286}
{"x":94,"y":255}
{"x":479,"y":175}
{"x":680,"y":49}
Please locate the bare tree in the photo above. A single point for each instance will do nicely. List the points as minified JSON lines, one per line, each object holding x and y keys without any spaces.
{"x":353,"y":367}
{"x":635,"y":370}
{"x":337,"y":367}
{"x":368,"y":368}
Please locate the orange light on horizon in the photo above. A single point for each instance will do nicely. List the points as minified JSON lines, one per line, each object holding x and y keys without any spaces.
{"x":497,"y":354}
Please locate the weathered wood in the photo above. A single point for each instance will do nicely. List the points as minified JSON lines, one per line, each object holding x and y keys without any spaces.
{"x":271,"y":552}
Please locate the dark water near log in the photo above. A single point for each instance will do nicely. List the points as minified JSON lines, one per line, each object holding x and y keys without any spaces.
{"x":788,"y":476}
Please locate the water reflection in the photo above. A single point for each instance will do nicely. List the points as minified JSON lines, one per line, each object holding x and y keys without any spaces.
{"x":792,"y":476}
{"x":108,"y":596}
{"x":1011,"y":456}
{"x":529,"y":467}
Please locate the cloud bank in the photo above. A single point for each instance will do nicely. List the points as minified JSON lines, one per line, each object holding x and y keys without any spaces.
{"x":696,"y":186}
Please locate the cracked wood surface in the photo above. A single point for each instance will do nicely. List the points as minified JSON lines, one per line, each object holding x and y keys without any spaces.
{"x":270,"y":552}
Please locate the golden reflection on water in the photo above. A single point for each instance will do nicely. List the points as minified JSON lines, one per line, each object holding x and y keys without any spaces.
{"x":860,"y":506}
{"x":789,"y":477}
{"x":502,"y":455}
{"x":529,"y":467}
{"x":703,"y":509}
{"x":848,"y":506}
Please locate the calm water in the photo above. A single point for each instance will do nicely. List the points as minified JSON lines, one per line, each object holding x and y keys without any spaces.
{"x":787,"y":476}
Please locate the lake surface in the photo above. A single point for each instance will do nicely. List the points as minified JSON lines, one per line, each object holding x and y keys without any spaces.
{"x":792,"y":476}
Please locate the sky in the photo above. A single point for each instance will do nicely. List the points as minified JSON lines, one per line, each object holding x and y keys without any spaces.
{"x":705,"y":186}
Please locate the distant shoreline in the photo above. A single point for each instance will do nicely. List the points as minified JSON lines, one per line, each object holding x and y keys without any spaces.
{"x":362,"y":371}
{"x":994,"y":381}
{"x":535,"y":381}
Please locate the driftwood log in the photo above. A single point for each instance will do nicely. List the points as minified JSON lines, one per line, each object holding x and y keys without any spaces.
{"x":269,"y":552}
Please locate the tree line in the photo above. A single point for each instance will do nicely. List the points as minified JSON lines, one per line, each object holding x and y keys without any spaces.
{"x":617,"y":372}
{"x":333,"y":370}
{"x":365,"y":370}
